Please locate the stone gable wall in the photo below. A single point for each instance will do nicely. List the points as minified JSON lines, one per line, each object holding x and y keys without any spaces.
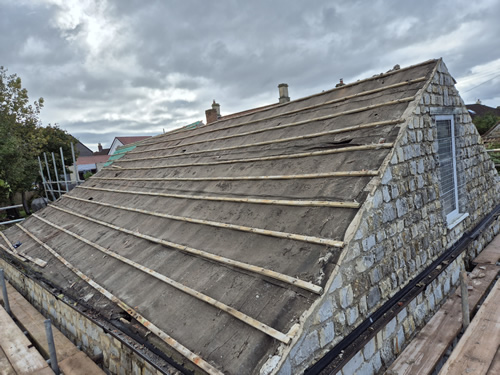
{"x":402,"y":228}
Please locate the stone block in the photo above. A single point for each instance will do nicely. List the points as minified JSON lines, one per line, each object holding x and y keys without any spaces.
{"x":368,"y":242}
{"x":326,"y":334}
{"x":346,"y":297}
{"x":336,"y":283}
{"x":402,"y":315}
{"x":352,"y":315}
{"x":369,"y":349}
{"x":373,"y":297}
{"x":286,"y":368}
{"x":307,"y":348}
{"x":390,"y":328}
{"x":354,"y":364}
{"x":325,"y":311}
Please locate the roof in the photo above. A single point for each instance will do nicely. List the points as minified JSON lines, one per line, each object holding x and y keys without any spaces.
{"x":92,"y":159}
{"x":243,"y":220}
{"x":104,"y":151}
{"x":83,"y":150}
{"x":128,"y":140}
{"x":481,"y":110}
{"x":493,"y":133}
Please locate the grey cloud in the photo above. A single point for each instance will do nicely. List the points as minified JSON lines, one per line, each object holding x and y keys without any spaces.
{"x":236,"y":52}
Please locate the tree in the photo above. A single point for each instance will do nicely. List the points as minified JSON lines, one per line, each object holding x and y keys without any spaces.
{"x":20,"y":143}
{"x":485,"y":122}
{"x":23,"y":139}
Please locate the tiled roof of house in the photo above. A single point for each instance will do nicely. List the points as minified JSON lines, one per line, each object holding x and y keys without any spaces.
{"x":481,"y":109}
{"x":92,"y":159}
{"x":219,"y":238}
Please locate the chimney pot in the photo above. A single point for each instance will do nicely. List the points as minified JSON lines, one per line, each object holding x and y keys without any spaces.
{"x":99,"y":146}
{"x":283,"y":90}
{"x":216,"y":106}
{"x":341,"y":83}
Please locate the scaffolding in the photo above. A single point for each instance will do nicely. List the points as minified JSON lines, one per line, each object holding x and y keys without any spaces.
{"x":57,"y":187}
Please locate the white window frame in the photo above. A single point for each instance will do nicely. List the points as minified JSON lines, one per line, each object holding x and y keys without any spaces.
{"x":454,"y":217}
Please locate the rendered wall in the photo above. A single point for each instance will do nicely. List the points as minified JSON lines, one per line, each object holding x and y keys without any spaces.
{"x":401,"y":228}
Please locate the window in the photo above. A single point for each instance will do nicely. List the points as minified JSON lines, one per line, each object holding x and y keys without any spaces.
{"x":448,"y":167}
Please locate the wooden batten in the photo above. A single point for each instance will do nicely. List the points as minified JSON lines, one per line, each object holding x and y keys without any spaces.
{"x":246,"y":178}
{"x":375,"y":146}
{"x":264,"y":232}
{"x":275,"y":141}
{"x":197,"y":360}
{"x":223,"y":260}
{"x":277,"y":202}
{"x":193,"y":293}
{"x":333,"y":101}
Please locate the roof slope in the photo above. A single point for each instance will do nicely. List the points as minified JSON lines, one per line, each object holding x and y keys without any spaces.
{"x":251,"y":212}
{"x":481,"y":110}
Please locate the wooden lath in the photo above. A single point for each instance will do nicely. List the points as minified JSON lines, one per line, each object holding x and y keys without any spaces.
{"x":13,"y":251}
{"x":275,"y":141}
{"x":375,"y":146}
{"x":276,"y":202}
{"x":246,"y":178}
{"x":203,"y":254}
{"x":15,"y":255}
{"x":193,"y":293}
{"x":197,"y":360}
{"x":242,"y":228}
{"x":258,"y":131}
{"x":333,"y":101}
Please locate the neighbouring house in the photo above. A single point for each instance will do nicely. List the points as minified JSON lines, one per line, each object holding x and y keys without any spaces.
{"x":479,"y":109}
{"x":92,"y":164}
{"x":83,"y":150}
{"x":492,"y":135}
{"x":273,"y":240}
{"x":123,"y":141}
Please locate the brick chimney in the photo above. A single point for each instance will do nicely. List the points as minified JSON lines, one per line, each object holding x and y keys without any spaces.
{"x":99,"y":146}
{"x":213,"y":114}
{"x":283,"y":89}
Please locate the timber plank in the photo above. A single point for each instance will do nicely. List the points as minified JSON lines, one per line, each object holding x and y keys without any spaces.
{"x":423,"y":353}
{"x":478,"y":346}
{"x":79,"y":364}
{"x":495,"y":365}
{"x":5,"y":366}
{"x":33,"y":322}
{"x":491,"y":254}
{"x":21,"y":353}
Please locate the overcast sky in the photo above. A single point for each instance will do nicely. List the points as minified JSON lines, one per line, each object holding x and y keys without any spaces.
{"x":130,"y":67}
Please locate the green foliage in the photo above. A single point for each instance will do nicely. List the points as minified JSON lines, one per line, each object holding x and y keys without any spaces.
{"x":54,"y":138}
{"x":22,"y":139}
{"x":87,"y":175}
{"x":485,"y":122}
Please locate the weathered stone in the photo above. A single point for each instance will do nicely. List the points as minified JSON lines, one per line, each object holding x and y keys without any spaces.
{"x":373,"y":297}
{"x":346,"y":296}
{"x":326,"y":334}
{"x":307,"y":348}
{"x":369,"y":349}
{"x":325,"y":312}
{"x":354,"y":364}
{"x":390,"y":328}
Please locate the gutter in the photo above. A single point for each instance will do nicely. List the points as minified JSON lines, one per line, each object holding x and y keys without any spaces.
{"x":340,"y":354}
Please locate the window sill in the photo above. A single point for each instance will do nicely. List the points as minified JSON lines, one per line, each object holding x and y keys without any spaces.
{"x":457,"y":220}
